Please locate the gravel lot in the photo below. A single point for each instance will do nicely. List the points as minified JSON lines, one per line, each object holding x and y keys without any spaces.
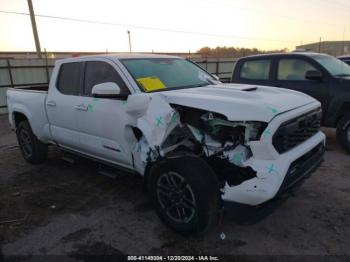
{"x":71,"y":209}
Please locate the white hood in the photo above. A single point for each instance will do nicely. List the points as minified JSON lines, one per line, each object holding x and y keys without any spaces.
{"x":240,"y":102}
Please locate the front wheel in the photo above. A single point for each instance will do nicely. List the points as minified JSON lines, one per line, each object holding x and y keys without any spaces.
{"x":185,"y":194}
{"x":33,"y":150}
{"x":343,"y":133}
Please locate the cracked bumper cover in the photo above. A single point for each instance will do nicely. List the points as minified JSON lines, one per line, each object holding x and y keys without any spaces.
{"x":275,"y":172}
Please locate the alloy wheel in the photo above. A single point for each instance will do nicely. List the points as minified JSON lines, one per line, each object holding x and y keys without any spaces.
{"x":176,"y":197}
{"x":25,"y":143}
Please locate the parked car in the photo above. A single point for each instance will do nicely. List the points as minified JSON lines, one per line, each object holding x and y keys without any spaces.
{"x":197,"y":142}
{"x":321,"y":76}
{"x":345,"y":59}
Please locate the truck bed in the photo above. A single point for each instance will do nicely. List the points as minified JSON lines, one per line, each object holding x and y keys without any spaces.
{"x":30,"y":102}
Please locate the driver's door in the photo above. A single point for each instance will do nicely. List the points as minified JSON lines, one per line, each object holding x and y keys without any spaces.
{"x":102,"y":120}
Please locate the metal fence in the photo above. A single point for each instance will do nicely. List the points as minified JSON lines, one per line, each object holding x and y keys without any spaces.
{"x":220,"y":67}
{"x":24,"y":72}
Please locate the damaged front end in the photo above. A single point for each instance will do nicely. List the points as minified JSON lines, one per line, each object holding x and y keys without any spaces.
{"x":225,"y":143}
{"x":164,"y":130}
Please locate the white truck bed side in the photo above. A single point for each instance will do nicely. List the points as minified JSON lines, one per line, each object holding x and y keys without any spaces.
{"x":31,"y":104}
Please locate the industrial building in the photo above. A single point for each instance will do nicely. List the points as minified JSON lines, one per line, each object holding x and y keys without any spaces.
{"x":335,"y":48}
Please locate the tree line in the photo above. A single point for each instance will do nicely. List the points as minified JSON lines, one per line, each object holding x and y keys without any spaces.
{"x":234,"y":51}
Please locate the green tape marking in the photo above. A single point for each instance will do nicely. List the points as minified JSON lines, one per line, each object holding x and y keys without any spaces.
{"x":273,"y":110}
{"x":271,"y":169}
{"x":266,"y":133}
{"x":173,"y":119}
{"x":237,"y":158}
{"x":159,"y":121}
{"x":197,"y":131}
{"x":90,"y":107}
{"x":92,"y":104}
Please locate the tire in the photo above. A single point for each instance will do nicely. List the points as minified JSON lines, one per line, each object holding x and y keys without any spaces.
{"x":343,"y":132}
{"x":33,"y":151}
{"x":185,"y":193}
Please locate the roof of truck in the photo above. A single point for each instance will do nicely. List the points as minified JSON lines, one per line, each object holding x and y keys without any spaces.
{"x":344,"y":57}
{"x":117,"y":56}
{"x":306,"y":53}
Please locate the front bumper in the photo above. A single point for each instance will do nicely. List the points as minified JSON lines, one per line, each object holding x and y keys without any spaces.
{"x":276,"y":173}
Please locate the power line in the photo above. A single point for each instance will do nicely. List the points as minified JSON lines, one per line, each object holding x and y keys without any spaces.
{"x":149,"y":28}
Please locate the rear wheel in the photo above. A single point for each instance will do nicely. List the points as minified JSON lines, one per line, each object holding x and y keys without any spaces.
{"x":343,"y":132}
{"x":33,"y":150}
{"x":185,"y":193}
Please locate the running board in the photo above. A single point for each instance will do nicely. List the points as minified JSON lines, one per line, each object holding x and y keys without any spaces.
{"x":70,"y":158}
{"x":108,"y":171}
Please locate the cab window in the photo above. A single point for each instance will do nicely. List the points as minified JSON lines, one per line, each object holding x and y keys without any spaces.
{"x":293,"y":69}
{"x":97,"y":72}
{"x":256,"y":70}
{"x":69,"y":78}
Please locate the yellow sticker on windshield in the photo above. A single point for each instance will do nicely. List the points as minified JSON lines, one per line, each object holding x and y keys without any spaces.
{"x":151,"y":83}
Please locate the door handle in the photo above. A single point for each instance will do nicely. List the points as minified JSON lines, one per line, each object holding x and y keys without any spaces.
{"x":51,"y":103}
{"x":78,"y":107}
{"x":84,"y":108}
{"x":81,"y":107}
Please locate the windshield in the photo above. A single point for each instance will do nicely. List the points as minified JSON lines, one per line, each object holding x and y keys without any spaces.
{"x":157,"y":74}
{"x":333,"y":65}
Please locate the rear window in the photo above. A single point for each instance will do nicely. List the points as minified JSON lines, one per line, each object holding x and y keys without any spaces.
{"x":69,"y":78}
{"x":256,"y":70}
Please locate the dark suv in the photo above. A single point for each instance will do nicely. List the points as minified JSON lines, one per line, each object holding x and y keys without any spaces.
{"x":345,"y":58}
{"x":321,"y":76}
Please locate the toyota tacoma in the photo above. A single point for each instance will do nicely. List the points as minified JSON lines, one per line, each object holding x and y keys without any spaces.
{"x":197,"y":142}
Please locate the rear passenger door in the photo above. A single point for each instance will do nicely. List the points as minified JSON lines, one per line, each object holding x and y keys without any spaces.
{"x":61,"y":102}
{"x":254,"y":71}
{"x":290,"y":73}
{"x":102,"y":121}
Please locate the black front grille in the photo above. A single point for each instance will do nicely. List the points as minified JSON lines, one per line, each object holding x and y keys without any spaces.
{"x":296,"y":131}
{"x":303,"y":167}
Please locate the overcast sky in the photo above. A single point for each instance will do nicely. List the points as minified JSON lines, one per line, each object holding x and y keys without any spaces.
{"x":265,"y":24}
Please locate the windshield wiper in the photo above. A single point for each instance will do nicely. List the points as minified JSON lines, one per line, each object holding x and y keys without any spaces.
{"x":342,"y":75}
{"x":202,"y":85}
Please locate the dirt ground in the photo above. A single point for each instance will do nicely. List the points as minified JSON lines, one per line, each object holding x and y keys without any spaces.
{"x":59,"y":208}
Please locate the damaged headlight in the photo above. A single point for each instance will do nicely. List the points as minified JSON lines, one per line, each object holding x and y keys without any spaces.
{"x":254,"y":130}
{"x":236,"y":131}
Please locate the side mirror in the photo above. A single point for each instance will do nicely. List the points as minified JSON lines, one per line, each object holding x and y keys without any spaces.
{"x":106,"y":90}
{"x":216,"y":77}
{"x":314,"y":75}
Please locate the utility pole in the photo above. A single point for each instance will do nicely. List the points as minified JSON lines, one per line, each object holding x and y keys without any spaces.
{"x":343,"y":47}
{"x":129,"y":40}
{"x":35,"y":30}
{"x":319,"y":45}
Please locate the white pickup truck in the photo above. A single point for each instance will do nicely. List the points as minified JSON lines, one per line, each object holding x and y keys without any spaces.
{"x":197,"y":142}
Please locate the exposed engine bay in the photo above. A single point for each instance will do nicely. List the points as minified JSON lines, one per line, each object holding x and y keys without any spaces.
{"x":168,"y":130}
